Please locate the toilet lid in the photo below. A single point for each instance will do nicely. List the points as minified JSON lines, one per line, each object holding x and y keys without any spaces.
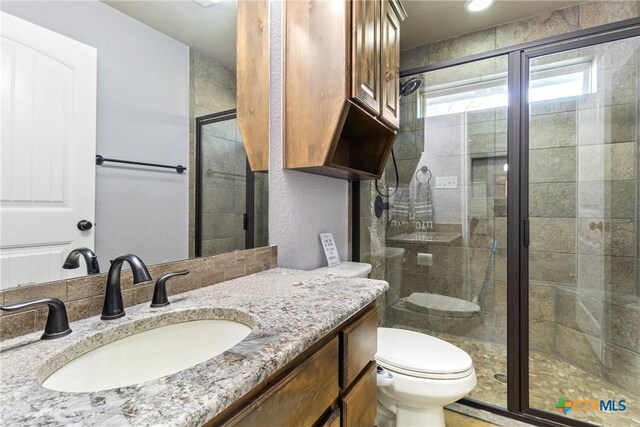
{"x":421,"y":355}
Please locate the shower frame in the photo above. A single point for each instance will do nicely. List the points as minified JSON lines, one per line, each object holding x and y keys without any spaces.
{"x":518,"y":407}
{"x":249,"y":215}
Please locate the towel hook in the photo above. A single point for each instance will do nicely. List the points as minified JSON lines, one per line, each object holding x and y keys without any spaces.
{"x":424,"y":170}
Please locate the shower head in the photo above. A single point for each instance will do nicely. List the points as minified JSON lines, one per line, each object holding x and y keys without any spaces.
{"x":410,"y":86}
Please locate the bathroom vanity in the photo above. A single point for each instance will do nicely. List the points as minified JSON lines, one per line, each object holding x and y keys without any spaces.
{"x":308,"y":360}
{"x":333,"y":380}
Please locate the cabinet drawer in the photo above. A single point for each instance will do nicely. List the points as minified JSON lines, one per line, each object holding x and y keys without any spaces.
{"x":301,"y":397}
{"x":359,"y":343}
{"x":359,"y":404}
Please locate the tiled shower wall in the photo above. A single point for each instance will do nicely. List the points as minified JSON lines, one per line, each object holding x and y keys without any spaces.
{"x":564,"y":176}
{"x":583,"y":209}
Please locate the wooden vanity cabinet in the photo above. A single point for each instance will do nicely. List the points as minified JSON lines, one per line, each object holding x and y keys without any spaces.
{"x":357,"y":410}
{"x":333,"y":384}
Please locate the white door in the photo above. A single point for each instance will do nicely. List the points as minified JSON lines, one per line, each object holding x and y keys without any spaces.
{"x":47,"y":167}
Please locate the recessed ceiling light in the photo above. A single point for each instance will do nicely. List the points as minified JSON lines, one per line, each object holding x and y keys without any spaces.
{"x":206,"y":3}
{"x":477,"y":5}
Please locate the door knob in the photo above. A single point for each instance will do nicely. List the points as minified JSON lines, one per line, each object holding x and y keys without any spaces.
{"x":84,"y":225}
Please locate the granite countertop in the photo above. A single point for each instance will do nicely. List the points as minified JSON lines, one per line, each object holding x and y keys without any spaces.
{"x":289,"y":310}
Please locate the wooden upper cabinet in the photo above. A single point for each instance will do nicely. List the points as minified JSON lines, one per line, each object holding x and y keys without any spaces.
{"x":365,"y":51}
{"x":390,"y":64}
{"x":252,"y":80}
{"x":341,"y":82}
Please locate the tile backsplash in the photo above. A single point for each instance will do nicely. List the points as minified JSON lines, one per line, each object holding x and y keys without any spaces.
{"x":84,"y":296}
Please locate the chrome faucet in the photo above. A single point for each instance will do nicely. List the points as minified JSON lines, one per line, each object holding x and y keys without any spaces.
{"x":90,"y":258}
{"x":113,"y":307}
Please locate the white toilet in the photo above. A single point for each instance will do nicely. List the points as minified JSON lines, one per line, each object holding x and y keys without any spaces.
{"x":417,"y":374}
{"x":420,"y":375}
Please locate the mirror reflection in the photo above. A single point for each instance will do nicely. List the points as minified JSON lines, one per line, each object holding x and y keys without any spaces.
{"x":125,"y":80}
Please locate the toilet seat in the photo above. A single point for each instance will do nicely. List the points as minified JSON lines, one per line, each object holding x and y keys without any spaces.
{"x":422,"y":356}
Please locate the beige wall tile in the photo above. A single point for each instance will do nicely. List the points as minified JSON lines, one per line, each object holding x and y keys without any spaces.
{"x":552,"y":267}
{"x":616,"y":237}
{"x":597,"y":126}
{"x":610,"y":199}
{"x":16,"y":324}
{"x":573,"y":345}
{"x":538,"y":27}
{"x":597,"y":13}
{"x":415,"y":57}
{"x":465,"y":45}
{"x":552,"y":200}
{"x":623,"y":368}
{"x":144,"y":293}
{"x":609,"y":274}
{"x":542,"y":299}
{"x":235,"y":271}
{"x":553,"y":130}
{"x":85,"y":287}
{"x":542,"y":336}
{"x":553,"y":235}
{"x":552,"y":165}
{"x":23,"y":293}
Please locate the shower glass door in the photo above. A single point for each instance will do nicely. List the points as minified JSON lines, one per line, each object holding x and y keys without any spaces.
{"x":442,"y":244}
{"x":232,"y":202}
{"x":584,"y":309}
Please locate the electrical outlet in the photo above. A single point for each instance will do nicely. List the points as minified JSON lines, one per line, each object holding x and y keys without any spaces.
{"x":446,"y":182}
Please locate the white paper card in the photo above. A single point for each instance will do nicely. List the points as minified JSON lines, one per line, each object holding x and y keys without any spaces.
{"x":330,"y":250}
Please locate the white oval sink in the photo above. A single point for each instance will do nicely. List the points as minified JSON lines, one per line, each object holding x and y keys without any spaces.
{"x":147,"y":355}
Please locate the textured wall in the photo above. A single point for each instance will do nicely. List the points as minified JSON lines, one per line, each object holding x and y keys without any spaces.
{"x":301,"y":205}
{"x":142,"y":114}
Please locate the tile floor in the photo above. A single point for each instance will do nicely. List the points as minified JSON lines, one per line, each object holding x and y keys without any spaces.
{"x":453,"y":419}
{"x":550,"y":378}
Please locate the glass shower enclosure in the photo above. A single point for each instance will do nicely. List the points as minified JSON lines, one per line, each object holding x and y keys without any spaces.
{"x":231,"y":200}
{"x":513,"y":227}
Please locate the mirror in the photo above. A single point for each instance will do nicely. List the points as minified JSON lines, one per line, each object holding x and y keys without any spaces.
{"x":128,"y":81}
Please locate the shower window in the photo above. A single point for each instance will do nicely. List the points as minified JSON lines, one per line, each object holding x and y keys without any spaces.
{"x":549,"y":81}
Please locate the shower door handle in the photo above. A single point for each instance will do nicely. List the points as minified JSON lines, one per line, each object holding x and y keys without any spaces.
{"x":526,"y":230}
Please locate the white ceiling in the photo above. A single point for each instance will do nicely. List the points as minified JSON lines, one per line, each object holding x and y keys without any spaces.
{"x":212,"y":29}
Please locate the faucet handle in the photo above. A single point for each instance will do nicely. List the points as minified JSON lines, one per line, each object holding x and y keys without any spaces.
{"x":57,"y":323}
{"x":160,"y":290}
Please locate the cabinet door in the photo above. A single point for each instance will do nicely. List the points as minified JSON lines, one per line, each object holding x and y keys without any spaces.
{"x":390,"y":69}
{"x":301,"y":398}
{"x":359,"y":343}
{"x":359,"y":405}
{"x":365,"y":71}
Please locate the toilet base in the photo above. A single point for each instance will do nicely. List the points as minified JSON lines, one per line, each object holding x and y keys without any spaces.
{"x":390,"y":414}
{"x":423,"y":417}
